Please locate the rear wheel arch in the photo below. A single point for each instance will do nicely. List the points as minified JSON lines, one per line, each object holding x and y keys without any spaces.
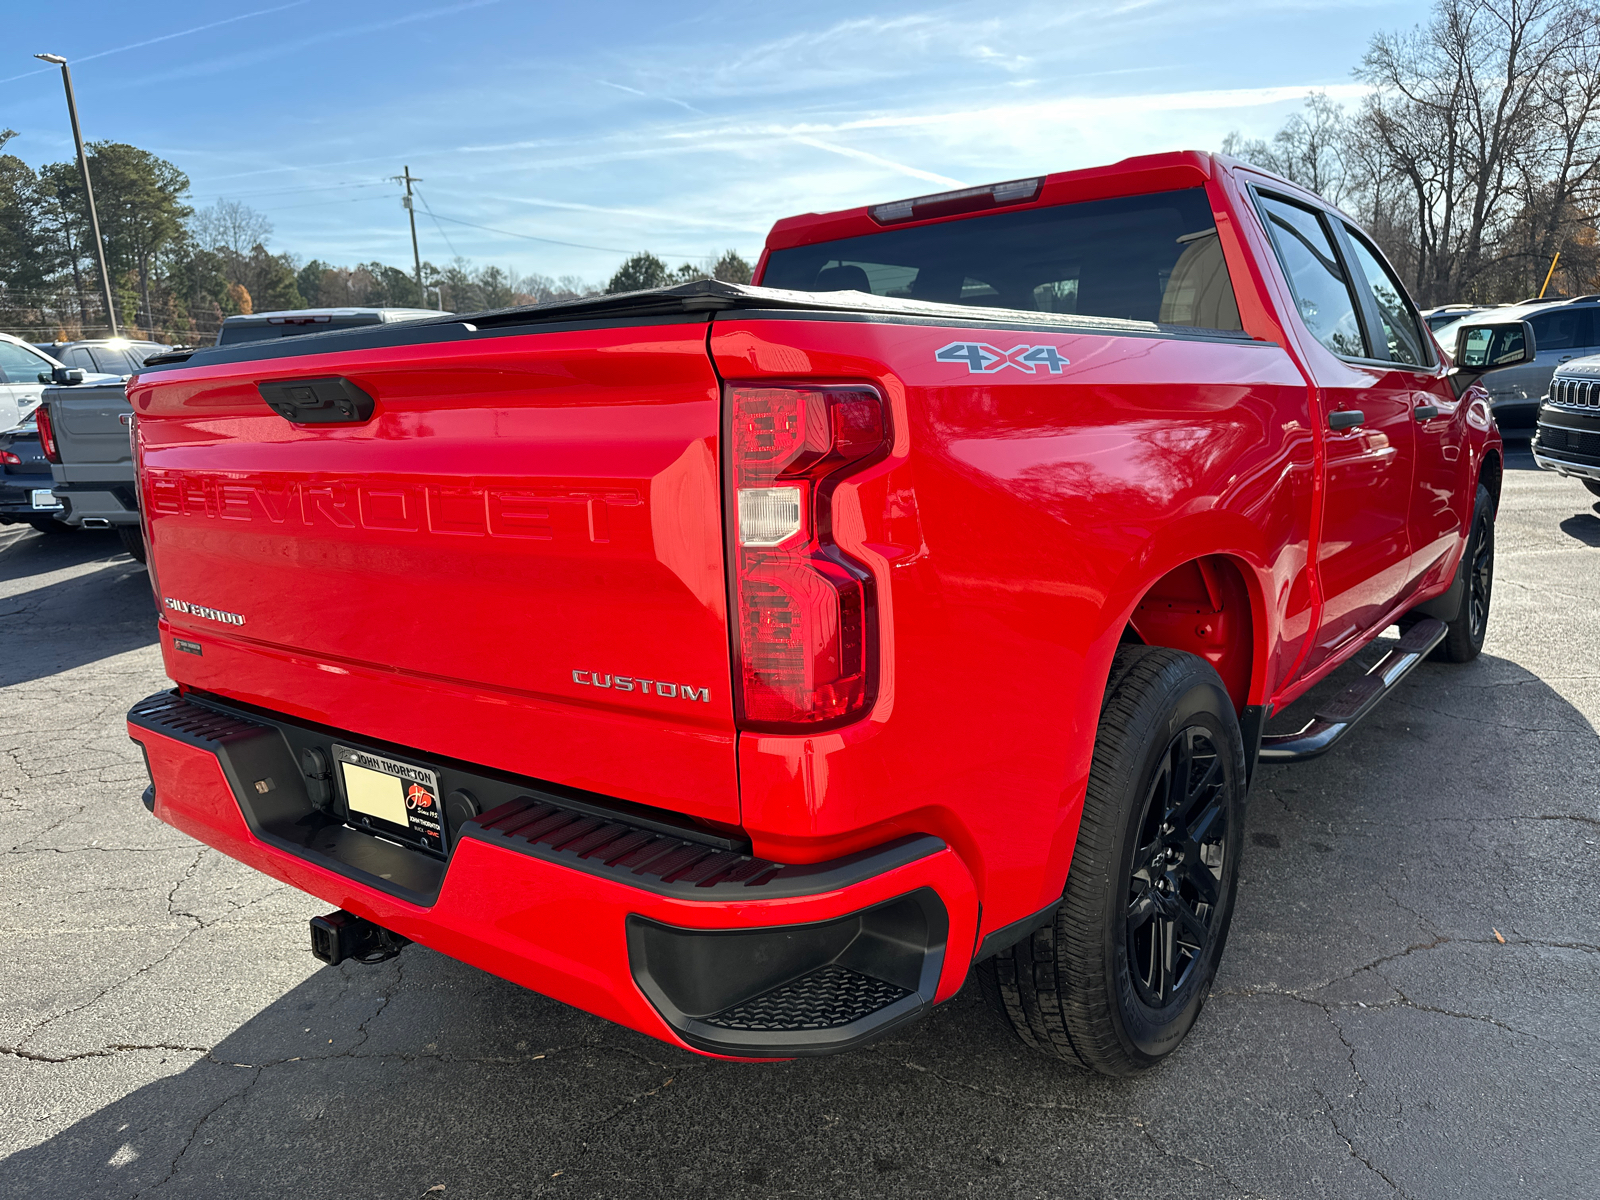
{"x":1209,"y":607}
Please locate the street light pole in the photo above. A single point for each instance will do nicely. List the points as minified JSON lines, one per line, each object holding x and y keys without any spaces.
{"x":88,"y":191}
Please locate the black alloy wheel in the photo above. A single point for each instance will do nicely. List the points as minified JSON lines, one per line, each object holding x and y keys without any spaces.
{"x":1117,"y":979}
{"x":1464,"y":633}
{"x":1480,"y":579}
{"x":1176,"y":870}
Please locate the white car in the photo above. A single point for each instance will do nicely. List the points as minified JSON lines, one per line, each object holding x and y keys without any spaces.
{"x":20,"y":385}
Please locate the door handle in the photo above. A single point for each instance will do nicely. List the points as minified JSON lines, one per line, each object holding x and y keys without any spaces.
{"x":1346,"y":419}
{"x":1425,"y":412}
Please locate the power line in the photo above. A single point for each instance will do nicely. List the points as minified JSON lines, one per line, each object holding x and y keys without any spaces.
{"x":429,"y":210}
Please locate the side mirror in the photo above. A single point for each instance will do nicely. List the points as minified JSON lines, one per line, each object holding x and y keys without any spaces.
{"x":1480,"y":349}
{"x":63,"y":375}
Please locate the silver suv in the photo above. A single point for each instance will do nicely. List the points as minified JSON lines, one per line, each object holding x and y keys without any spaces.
{"x":1568,"y":437}
{"x":1563,"y":330}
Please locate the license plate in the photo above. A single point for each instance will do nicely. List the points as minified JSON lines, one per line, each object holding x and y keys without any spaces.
{"x":394,"y":798}
{"x":45,"y":498}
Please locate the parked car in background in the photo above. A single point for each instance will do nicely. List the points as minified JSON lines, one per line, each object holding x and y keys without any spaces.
{"x":1438,"y":318}
{"x":105,"y":356}
{"x":1567,"y":439}
{"x":1562,"y":331}
{"x":83,"y":429}
{"x":26,"y":482}
{"x":265,"y":327}
{"x":24,"y":372}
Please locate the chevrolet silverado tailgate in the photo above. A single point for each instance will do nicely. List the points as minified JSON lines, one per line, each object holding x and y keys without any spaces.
{"x":515,"y":561}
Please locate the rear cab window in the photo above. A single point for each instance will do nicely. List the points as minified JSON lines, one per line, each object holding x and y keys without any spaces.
{"x":233,"y":335}
{"x":1150,"y":258}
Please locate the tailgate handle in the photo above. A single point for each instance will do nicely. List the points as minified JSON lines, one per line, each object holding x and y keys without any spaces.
{"x":330,"y":401}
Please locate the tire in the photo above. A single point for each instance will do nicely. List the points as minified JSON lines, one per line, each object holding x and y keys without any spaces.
{"x":1466,"y":630}
{"x":1081,"y":988}
{"x":1593,"y":485}
{"x":132,"y":541}
{"x":49,"y":525}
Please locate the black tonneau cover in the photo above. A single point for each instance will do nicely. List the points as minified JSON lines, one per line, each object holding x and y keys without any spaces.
{"x":696,"y":301}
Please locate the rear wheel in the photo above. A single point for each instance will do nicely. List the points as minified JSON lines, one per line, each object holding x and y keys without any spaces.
{"x":1119,"y":977}
{"x":132,"y":540}
{"x":1593,"y":485}
{"x":1466,"y":630}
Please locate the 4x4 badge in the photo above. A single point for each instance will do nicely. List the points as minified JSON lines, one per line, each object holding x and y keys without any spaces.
{"x":984,"y":359}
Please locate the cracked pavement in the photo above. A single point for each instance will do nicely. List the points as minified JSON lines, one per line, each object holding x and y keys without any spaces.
{"x":1407,"y":1007}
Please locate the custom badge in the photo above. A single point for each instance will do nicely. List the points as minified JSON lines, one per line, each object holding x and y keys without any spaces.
{"x":981,"y":358}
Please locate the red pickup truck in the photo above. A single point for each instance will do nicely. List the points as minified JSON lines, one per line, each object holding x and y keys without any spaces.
{"x":744,"y":664}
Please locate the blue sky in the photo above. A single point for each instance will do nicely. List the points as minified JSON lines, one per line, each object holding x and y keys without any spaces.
{"x":679,"y":128}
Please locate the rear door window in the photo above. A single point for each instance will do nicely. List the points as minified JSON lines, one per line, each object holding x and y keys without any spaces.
{"x":1317,"y":277}
{"x":113,"y":361}
{"x":1144,"y":258}
{"x":1559,"y":329}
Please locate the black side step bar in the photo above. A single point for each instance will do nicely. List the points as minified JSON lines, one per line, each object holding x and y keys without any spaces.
{"x":1339,"y":715}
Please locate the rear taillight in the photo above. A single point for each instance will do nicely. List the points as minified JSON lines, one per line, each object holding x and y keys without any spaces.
{"x":804,"y":610}
{"x":47,"y":434}
{"x":10,"y":458}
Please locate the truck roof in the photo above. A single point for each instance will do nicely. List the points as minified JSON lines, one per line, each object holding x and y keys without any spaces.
{"x":1132,"y":176}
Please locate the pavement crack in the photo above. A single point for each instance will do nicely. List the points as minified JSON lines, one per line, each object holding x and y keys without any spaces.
{"x":194,"y":1132}
{"x":1199,"y":1162}
{"x":102,"y":1052}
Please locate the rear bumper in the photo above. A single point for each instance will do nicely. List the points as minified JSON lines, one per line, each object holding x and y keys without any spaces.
{"x":691,"y":941}
{"x":16,"y":496}
{"x":113,"y":502}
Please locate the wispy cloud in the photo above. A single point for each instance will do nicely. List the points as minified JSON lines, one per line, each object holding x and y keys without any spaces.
{"x":166,"y":37}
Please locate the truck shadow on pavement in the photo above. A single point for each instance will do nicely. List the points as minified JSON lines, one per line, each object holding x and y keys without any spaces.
{"x":1406,"y":976}
{"x":1583,"y":526}
{"x":99,"y":605}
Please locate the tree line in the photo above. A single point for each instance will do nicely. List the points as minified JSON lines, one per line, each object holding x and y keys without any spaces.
{"x":177,"y":271}
{"x":1475,"y":158}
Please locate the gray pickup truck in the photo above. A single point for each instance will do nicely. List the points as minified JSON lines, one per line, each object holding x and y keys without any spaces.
{"x":83,"y":428}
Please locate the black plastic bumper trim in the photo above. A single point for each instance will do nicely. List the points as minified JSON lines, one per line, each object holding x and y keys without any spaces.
{"x":649,"y":852}
{"x":793,"y":991}
{"x":1008,"y":936}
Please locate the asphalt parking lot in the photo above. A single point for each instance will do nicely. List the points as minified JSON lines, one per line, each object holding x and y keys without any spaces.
{"x":1409,"y":1005}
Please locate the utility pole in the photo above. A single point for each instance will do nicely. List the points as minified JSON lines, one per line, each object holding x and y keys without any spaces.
{"x":408,"y":178}
{"x":88,"y":191}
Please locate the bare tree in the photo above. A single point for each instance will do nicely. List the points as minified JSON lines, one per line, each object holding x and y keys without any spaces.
{"x":230,"y":227}
{"x":1459,"y":115}
{"x":1310,"y":149}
